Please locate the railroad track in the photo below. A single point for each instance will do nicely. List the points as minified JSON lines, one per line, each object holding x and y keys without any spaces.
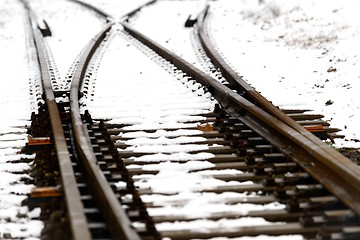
{"x":235,"y":166}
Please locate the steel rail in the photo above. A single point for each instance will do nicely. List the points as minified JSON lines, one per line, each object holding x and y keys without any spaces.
{"x":118,"y":222}
{"x":329,"y":155}
{"x":108,"y":16}
{"x":340,"y":178}
{"x":78,"y":222}
{"x":238,"y":83}
{"x":133,"y":12}
{"x":95,"y":9}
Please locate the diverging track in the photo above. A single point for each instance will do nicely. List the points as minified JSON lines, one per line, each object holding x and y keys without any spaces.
{"x":210,"y":160}
{"x":75,"y":153}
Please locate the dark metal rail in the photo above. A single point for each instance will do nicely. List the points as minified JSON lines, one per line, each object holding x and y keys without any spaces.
{"x":334,"y":171}
{"x":131,"y":13}
{"x":118,"y":222}
{"x":95,"y":9}
{"x":77,"y":218}
{"x":338,"y":166}
{"x":326,"y":165}
{"x":108,"y":16}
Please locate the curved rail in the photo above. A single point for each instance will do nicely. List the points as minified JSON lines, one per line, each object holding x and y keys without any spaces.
{"x":336,"y":173}
{"x":78,"y":222}
{"x":118,"y":222}
{"x":250,"y":93}
{"x":108,"y":16}
{"x":95,"y":9}
{"x":329,"y":156}
{"x":131,"y":13}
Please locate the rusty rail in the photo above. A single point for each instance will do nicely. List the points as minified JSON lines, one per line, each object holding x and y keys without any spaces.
{"x":327,"y":155}
{"x":334,"y":171}
{"x":95,"y":9}
{"x":118,"y":222}
{"x":78,"y":222}
{"x":133,"y":12}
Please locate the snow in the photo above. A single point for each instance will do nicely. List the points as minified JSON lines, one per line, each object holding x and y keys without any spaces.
{"x":286,"y":50}
{"x":174,"y":148}
{"x":142,"y":113}
{"x":16,"y":105}
{"x":163,"y":31}
{"x":63,"y":29}
{"x":201,"y":208}
{"x":116,"y":9}
{"x":178,"y":157}
{"x":161,"y":133}
{"x":219,"y":225}
{"x":263,"y":237}
{"x":183,"y":197}
{"x":299,"y":54}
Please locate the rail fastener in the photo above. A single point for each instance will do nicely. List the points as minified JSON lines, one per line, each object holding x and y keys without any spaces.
{"x":41,"y":196}
{"x":318,"y":130}
{"x":36,"y":141}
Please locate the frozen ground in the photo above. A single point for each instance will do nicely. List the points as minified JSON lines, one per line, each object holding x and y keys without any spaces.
{"x":16,"y":221}
{"x":298,"y":53}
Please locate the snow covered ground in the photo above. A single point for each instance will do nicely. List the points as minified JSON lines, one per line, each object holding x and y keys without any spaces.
{"x":16,"y":105}
{"x":18,"y":99}
{"x":151,"y":98}
{"x":64,"y":27}
{"x":298,"y":53}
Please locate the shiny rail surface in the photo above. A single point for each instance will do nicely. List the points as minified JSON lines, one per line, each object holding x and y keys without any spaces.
{"x":77,"y":218}
{"x":329,"y":167}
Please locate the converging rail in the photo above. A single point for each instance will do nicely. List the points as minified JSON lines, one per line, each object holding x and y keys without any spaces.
{"x":118,"y":222}
{"x":329,"y":167}
{"x":95,"y":9}
{"x":255,"y":152}
{"x":78,"y":222}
